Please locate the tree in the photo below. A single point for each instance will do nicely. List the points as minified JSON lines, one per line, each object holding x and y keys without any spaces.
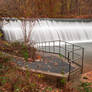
{"x":21,"y":10}
{"x":34,"y":9}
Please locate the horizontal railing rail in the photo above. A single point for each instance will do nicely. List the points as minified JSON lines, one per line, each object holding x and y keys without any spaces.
{"x":66,"y":49}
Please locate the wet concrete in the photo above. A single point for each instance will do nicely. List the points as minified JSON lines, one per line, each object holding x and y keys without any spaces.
{"x":49,"y":64}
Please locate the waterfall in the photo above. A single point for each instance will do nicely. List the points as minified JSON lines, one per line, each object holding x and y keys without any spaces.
{"x":47,"y":30}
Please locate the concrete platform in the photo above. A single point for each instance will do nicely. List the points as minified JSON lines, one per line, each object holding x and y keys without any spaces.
{"x":50,"y":64}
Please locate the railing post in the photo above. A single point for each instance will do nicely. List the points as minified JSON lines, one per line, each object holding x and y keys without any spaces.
{"x":82,"y":60}
{"x":39,"y":46}
{"x":43,"y":50}
{"x":42,"y":46}
{"x":49,"y":46}
{"x":72,"y":51}
{"x":53,"y":47}
{"x":45,"y":46}
{"x":65,"y":49}
{"x":69,"y":66}
{"x":59,"y":47}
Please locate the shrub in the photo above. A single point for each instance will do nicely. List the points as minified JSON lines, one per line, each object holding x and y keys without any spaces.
{"x":85,"y":87}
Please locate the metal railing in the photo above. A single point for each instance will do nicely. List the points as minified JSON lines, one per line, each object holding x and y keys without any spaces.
{"x":72,"y":53}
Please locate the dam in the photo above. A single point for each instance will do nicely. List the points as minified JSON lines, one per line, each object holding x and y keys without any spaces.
{"x":50,"y":29}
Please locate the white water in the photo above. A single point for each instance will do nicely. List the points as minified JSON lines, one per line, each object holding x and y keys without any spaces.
{"x":46,"y":30}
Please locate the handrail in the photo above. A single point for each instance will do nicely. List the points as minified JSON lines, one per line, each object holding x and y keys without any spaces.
{"x":68,"y":51}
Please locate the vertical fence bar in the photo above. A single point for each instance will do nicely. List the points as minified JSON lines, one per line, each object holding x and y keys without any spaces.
{"x":65,"y":49}
{"x":42,"y":46}
{"x":45,"y":46}
{"x":36,"y":45}
{"x":53,"y":47}
{"x":72,"y":51}
{"x":82,"y":60}
{"x":69,"y":71}
{"x":49,"y":46}
{"x":59,"y":47}
{"x":43,"y":50}
{"x":69,"y":66}
{"x":39,"y":46}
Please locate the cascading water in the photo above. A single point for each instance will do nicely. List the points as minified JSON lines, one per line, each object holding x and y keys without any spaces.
{"x":47,"y":30}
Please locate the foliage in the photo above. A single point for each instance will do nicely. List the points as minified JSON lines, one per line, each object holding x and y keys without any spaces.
{"x":24,"y":52}
{"x":17,"y":80}
{"x":63,"y":82}
{"x":60,"y":55}
{"x":1,"y":34}
{"x":46,"y":8}
{"x":85,"y":87}
{"x":30,"y":8}
{"x":13,"y":79}
{"x":26,"y":55}
{"x":19,"y":49}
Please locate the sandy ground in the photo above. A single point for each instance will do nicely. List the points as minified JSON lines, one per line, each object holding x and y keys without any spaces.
{"x":88,"y":56}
